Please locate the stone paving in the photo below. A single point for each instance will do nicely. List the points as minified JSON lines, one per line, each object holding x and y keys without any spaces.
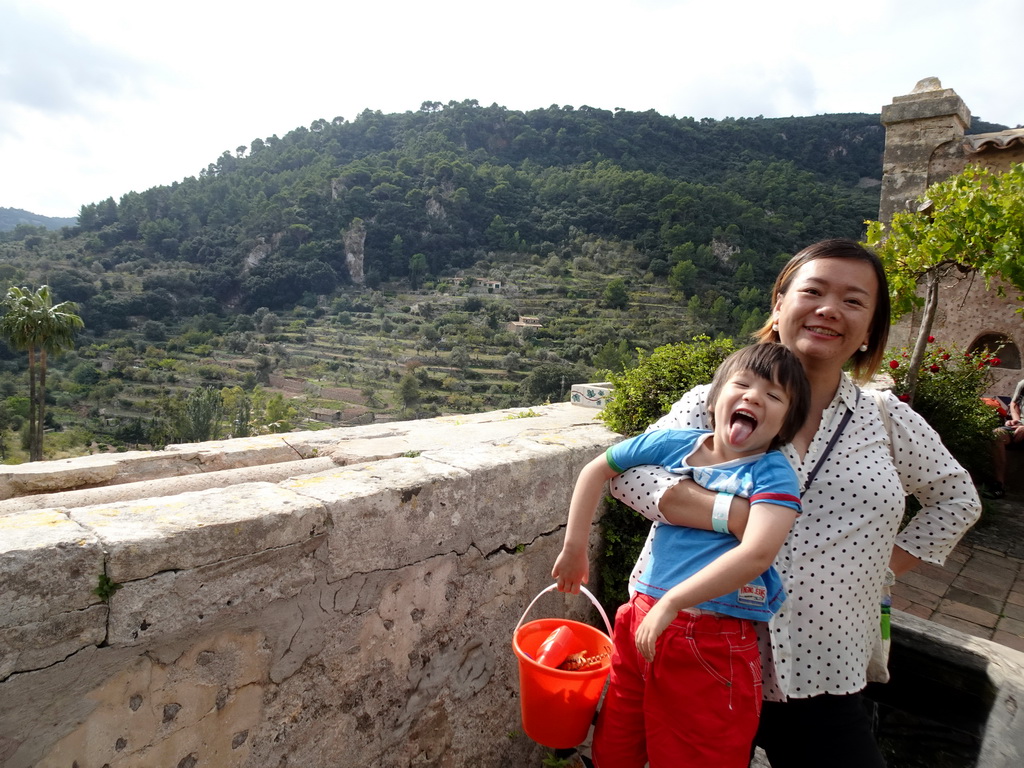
{"x":980,"y":589}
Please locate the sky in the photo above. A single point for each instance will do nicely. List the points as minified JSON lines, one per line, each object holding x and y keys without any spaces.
{"x":101,"y":98}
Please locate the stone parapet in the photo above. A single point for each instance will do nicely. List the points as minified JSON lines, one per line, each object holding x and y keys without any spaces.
{"x":358,"y":610}
{"x":358,"y":607}
{"x":48,"y":568}
{"x":138,"y":466}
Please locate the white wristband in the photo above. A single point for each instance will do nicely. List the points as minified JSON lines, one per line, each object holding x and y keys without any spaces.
{"x":720,"y":512}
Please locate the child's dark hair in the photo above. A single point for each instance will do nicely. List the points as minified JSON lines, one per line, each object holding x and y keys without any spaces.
{"x":773,"y":362}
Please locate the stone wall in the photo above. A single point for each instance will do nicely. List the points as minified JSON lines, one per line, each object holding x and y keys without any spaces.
{"x":966,"y":312}
{"x":335,"y":598}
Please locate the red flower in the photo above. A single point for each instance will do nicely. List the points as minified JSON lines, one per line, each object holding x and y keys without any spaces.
{"x":905,"y":398}
{"x":967,"y":355}
{"x":946,"y":356}
{"x":994,"y":361}
{"x":934,"y":369}
{"x":931,"y":339}
{"x":894,"y":364}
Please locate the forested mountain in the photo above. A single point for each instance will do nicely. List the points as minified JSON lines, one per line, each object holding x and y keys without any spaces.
{"x":676,"y":224}
{"x":264,"y":225}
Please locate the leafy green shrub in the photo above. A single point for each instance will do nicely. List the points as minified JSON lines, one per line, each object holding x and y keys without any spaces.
{"x":646,"y":392}
{"x":642,"y":395}
{"x":948,"y":395}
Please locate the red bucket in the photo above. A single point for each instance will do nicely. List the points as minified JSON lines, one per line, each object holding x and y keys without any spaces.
{"x":558,"y":705}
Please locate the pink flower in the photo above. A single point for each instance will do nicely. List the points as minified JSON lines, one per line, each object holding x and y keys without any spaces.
{"x":894,"y":364}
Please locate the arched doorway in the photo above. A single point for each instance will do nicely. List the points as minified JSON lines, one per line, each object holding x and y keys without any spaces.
{"x":1009,"y":353}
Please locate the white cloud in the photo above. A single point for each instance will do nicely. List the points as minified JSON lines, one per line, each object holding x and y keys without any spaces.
{"x":97,"y":99}
{"x":49,"y":68}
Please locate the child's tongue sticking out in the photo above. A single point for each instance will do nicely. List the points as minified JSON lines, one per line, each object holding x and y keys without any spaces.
{"x":740,"y":428}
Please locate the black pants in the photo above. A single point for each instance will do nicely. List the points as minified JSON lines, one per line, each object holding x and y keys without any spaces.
{"x":832,"y":731}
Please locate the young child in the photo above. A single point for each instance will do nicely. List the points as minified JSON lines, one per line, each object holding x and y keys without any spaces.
{"x":686,"y":672}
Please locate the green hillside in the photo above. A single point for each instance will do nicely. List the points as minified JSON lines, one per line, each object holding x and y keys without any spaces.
{"x":335,"y":268}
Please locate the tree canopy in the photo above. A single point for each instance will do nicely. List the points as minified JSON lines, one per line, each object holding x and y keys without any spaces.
{"x":424,"y":194}
{"x":500,"y":254}
{"x":33,"y":323}
{"x":705,"y":204}
{"x":971,"y":221}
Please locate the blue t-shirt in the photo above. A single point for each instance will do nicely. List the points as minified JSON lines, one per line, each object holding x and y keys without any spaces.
{"x":678,"y":552}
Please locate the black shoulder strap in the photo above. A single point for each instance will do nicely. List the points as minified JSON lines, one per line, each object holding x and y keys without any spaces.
{"x":831,"y":444}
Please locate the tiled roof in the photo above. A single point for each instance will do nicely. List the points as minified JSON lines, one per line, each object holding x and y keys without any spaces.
{"x":979,"y":142}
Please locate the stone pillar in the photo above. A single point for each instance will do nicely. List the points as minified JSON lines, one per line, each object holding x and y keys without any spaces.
{"x":924,"y":133}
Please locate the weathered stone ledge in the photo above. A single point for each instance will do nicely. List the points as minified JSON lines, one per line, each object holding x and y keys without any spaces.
{"x":398,"y":556}
{"x":353,"y":594}
{"x":341,"y":446}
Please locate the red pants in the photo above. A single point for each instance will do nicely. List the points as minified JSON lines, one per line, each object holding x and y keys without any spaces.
{"x":697,"y":704}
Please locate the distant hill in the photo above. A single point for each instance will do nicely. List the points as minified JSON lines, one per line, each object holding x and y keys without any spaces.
{"x":12,"y":217}
{"x":705,"y":207}
{"x":380,"y":267}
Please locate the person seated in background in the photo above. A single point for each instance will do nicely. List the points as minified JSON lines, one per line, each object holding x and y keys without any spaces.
{"x":1010,"y":436}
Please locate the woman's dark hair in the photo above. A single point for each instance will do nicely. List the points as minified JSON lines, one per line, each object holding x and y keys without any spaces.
{"x":864,"y":363}
{"x":774,"y":362}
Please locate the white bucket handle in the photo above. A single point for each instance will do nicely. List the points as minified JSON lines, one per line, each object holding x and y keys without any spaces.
{"x":584,"y":590}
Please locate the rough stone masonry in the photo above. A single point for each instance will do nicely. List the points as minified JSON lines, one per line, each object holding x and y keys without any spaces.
{"x":336,"y":598}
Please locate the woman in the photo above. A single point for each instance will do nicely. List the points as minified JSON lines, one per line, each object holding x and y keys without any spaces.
{"x":831,"y":308}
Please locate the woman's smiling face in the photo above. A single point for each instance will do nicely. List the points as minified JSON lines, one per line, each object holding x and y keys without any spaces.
{"x":826,"y":312}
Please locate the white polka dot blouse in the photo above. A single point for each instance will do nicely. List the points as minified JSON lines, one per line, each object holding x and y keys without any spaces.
{"x":834,"y":559}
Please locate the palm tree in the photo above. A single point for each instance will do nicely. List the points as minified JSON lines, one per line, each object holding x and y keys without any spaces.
{"x":32,"y":323}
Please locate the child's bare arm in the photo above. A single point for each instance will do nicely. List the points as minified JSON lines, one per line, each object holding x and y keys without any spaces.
{"x":688,"y":504}
{"x":572,"y":567}
{"x":767,"y":529}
